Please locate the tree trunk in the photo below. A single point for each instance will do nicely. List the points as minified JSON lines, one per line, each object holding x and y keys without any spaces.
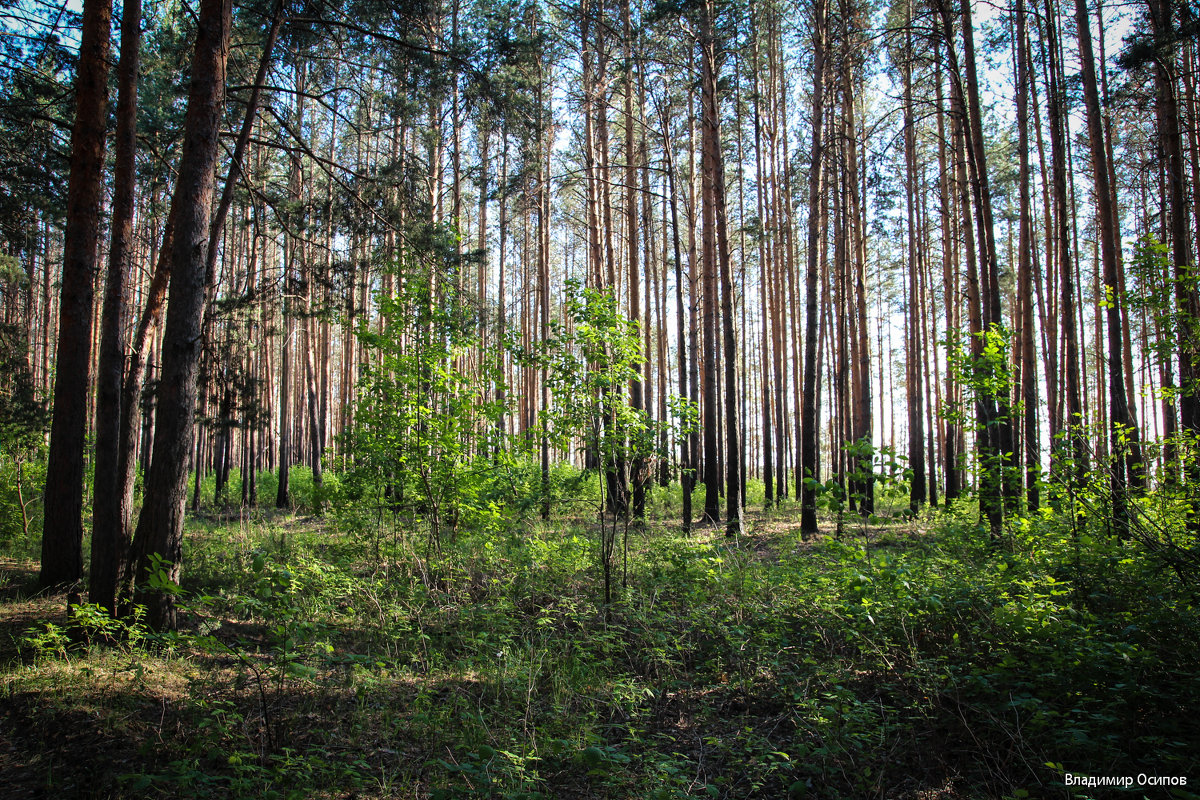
{"x":687,"y":474}
{"x":710,"y":269}
{"x":917,"y":494}
{"x":809,"y":413}
{"x":1186,"y":299}
{"x":1072,"y":419}
{"x":631,"y":236}
{"x":1027,"y":358}
{"x":62,"y":530}
{"x":160,"y":527}
{"x":1121,"y":425}
{"x":712,"y":138}
{"x":110,"y":514}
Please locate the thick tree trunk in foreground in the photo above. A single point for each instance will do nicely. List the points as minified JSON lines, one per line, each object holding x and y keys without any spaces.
{"x":160,"y":527}
{"x":62,"y":536}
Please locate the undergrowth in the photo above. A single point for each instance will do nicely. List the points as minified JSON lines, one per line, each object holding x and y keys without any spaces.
{"x":912,"y":659}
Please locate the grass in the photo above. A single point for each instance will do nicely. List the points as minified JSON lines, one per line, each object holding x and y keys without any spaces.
{"x":339,"y":657}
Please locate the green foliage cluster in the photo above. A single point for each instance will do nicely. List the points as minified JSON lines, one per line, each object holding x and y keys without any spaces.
{"x":23,"y":421}
{"x":426,"y":442}
{"x":592,"y":363}
{"x":1155,"y":284}
{"x":306,"y":496}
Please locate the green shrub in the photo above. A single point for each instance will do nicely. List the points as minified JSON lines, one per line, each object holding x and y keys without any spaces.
{"x":21,"y":513}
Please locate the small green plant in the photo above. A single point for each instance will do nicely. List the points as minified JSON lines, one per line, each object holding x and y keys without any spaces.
{"x":590,"y":365}
{"x":88,"y":623}
{"x":427,"y":431}
{"x":23,"y":421}
{"x":47,"y":640}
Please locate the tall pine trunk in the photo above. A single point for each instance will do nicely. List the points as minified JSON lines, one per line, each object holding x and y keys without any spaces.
{"x":62,"y":530}
{"x":1027,"y":357}
{"x":1186,"y":300}
{"x":110,"y":513}
{"x":160,"y":526}
{"x":918,"y":490}
{"x":1120,"y":421}
{"x":810,"y":415}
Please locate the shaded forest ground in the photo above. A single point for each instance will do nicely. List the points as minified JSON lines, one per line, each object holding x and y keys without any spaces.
{"x":341,"y":657}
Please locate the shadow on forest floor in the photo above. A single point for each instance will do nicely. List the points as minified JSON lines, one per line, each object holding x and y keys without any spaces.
{"x":766,"y":667}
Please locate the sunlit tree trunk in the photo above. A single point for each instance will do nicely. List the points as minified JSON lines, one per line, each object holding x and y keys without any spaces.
{"x":1122,"y":428}
{"x":160,"y":526}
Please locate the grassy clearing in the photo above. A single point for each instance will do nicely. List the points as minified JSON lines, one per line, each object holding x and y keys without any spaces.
{"x":340,"y":657}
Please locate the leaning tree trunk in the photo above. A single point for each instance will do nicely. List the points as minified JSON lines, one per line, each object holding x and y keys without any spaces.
{"x":159,"y":536}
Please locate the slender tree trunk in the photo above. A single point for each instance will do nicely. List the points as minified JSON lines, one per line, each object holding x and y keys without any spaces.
{"x":914,"y":379}
{"x":1027,"y":358}
{"x":139,"y":353}
{"x":687,"y":474}
{"x":709,"y":163}
{"x":1073,"y":422}
{"x":1122,"y":428}
{"x":863,"y":422}
{"x":631,"y":235}
{"x":764,"y":279}
{"x":997,"y":403}
{"x":810,"y":413}
{"x":951,"y":466}
{"x":243,"y":140}
{"x":547,"y":139}
{"x":733,"y":451}
{"x":283,"y":488}
{"x":110,"y":515}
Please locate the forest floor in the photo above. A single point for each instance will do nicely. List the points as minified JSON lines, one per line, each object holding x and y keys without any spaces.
{"x":340,"y":657}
